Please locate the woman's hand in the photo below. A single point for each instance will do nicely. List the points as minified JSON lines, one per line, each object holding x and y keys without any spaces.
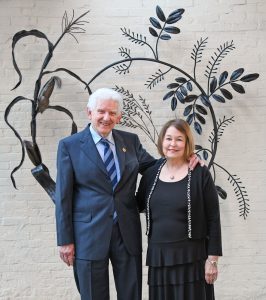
{"x":211,"y":269}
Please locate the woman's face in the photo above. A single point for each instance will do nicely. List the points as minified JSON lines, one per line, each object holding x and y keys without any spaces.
{"x":174,"y":143}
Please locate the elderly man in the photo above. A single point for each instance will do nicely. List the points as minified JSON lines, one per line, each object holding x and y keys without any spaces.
{"x":96,"y":212}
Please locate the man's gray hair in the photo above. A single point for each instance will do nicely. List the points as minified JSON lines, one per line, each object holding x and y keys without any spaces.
{"x":105,"y":94}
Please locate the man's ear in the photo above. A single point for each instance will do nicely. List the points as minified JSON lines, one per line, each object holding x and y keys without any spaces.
{"x":118,"y":118}
{"x":88,"y":111}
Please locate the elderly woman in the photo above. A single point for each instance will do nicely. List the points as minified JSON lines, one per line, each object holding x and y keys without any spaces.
{"x":183,"y":220}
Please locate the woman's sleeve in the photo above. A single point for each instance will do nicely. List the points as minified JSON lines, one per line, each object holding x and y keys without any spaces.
{"x":212,"y":212}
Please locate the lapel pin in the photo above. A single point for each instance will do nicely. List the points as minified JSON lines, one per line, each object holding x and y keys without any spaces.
{"x":124,"y":149}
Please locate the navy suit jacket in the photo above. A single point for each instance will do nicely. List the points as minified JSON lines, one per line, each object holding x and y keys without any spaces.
{"x":85,"y":198}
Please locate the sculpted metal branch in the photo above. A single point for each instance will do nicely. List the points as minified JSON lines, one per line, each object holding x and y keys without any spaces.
{"x":182,"y":88}
{"x":41,"y":99}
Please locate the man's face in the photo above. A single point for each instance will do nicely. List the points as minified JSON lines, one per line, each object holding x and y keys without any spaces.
{"x":104,"y":116}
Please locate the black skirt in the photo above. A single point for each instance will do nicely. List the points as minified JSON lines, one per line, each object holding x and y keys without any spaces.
{"x":180,"y":282}
{"x":177,"y":271}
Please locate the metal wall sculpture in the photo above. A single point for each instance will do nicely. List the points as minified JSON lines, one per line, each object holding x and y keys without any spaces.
{"x":183,"y":88}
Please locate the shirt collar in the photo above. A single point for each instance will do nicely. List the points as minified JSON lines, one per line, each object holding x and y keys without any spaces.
{"x":96,"y":137}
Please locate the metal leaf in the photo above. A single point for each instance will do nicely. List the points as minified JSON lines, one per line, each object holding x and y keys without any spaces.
{"x":41,"y":174}
{"x":175,"y":16}
{"x":173,"y":85}
{"x":168,"y":95}
{"x":155,"y":23}
{"x":71,"y":74}
{"x":237,"y":73}
{"x":250,"y":77}
{"x":187,"y":110}
{"x":74,"y":128}
{"x":173,"y":19}
{"x":223,"y":77}
{"x":177,"y":12}
{"x":213,"y":85}
{"x":198,"y":147}
{"x":172,"y":29}
{"x":218,"y":98}
{"x":198,"y":128}
{"x":180,"y":97}
{"x":134,"y":37}
{"x":205,"y":154}
{"x":205,"y":100}
{"x":153,"y":32}
{"x":191,"y":98}
{"x":189,"y":86}
{"x":45,"y":93}
{"x":221,"y":192}
{"x":181,"y":80}
{"x":216,"y":59}
{"x":33,"y":152}
{"x":165,"y":37}
{"x":201,"y":109}
{"x":200,"y":118}
{"x":160,"y":13}
{"x":173,"y":103}
{"x":190,"y":119}
{"x":21,"y":34}
{"x":226,"y":94}
{"x":183,"y":90}
{"x":7,"y":111}
{"x":238,"y":88}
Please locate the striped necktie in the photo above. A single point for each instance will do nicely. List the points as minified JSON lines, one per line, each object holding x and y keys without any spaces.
{"x":109,"y":162}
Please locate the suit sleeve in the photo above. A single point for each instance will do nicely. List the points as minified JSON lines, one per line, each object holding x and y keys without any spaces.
{"x":141,"y":194}
{"x":144,"y":158}
{"x":64,"y":196}
{"x":211,"y":201}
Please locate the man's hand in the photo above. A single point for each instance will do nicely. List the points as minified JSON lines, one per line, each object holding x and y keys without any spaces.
{"x":67,"y":253}
{"x":194,"y":160}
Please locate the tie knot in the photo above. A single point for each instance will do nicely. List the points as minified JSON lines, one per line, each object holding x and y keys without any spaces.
{"x":105,"y":142}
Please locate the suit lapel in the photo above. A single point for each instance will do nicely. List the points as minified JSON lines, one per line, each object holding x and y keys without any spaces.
{"x":89,"y":148}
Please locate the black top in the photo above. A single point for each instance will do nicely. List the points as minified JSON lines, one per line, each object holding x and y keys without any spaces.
{"x":168,"y":206}
{"x":205,"y":214}
{"x":167,"y":246}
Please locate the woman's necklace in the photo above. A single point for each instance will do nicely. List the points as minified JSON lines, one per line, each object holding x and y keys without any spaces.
{"x":172,"y":176}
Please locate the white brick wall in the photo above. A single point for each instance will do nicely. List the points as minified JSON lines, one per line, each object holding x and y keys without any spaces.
{"x":29,"y":264}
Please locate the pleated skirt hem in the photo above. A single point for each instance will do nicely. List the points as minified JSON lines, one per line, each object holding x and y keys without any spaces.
{"x":179,"y":282}
{"x":197,"y":290}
